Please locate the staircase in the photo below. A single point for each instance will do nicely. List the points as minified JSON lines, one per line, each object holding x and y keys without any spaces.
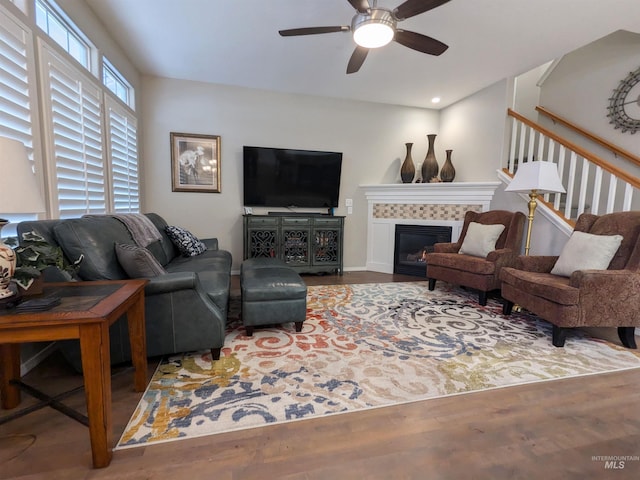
{"x":593,"y":185}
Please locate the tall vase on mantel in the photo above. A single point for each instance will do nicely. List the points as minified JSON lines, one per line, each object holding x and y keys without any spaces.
{"x":430,"y":164}
{"x":408,"y":169}
{"x":447,"y":172}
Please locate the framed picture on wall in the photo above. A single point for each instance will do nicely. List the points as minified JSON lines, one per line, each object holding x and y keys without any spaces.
{"x":195,"y":163}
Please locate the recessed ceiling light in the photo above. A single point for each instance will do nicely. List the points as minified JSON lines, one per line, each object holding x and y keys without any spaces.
{"x":435,"y":100}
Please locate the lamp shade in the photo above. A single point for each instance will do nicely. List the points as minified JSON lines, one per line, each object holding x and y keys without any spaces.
{"x":19,"y":189}
{"x":540,"y":176}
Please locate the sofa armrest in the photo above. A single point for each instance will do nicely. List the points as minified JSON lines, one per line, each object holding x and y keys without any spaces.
{"x":608,"y":297}
{"x":503,"y":257}
{"x":211,"y":243}
{"x":536,"y":263}
{"x":615,"y":285}
{"x":171,"y":282}
{"x":446,"y":247}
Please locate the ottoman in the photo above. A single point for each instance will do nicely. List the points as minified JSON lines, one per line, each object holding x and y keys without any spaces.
{"x":272,"y":293}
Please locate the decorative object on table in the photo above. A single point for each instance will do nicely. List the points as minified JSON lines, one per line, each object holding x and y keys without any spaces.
{"x":7,"y":266}
{"x":535,"y":178}
{"x":38,"y":304}
{"x":19,"y":193}
{"x":408,"y":169}
{"x":34,"y":255}
{"x":195,"y":162}
{"x":624,"y":104}
{"x":430,"y":165}
{"x":447,"y":172}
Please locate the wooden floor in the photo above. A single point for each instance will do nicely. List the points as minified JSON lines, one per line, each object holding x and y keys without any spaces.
{"x":549,"y":430}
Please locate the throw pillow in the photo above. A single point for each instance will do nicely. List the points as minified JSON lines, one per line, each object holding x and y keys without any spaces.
{"x":138,"y":262}
{"x":586,"y":251}
{"x":185,"y":241}
{"x":480,"y":239}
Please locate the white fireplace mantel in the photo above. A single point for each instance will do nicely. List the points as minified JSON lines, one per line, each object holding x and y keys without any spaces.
{"x":441,"y":192}
{"x":418,"y":204}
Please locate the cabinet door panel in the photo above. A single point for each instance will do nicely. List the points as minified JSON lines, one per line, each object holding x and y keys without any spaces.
{"x":295,"y":245}
{"x":262,"y":242}
{"x":326,"y":249}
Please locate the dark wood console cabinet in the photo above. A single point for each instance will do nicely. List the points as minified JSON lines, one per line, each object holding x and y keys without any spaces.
{"x":308,"y":244}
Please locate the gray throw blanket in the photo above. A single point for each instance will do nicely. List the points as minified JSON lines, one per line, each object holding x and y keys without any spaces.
{"x":143,"y":231}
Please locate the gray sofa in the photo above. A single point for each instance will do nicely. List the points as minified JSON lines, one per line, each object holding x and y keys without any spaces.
{"x":185,"y":309}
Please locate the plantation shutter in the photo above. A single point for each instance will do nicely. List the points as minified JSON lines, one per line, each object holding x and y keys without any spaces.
{"x":123,"y":155}
{"x":17,"y":97}
{"x":74,"y":127}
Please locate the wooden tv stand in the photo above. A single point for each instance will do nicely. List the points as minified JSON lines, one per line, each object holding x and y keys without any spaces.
{"x":307,"y":243}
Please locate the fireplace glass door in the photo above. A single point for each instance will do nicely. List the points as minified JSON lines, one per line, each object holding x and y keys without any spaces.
{"x":412,"y":243}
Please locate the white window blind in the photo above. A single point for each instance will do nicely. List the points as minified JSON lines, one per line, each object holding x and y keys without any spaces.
{"x":122,"y":137}
{"x":73,"y":108}
{"x":16,"y":94}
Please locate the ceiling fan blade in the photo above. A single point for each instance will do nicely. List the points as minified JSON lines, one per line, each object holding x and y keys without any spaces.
{"x":411,"y":8}
{"x":357,"y":59}
{"x":360,"y":5}
{"x":292,"y":32}
{"x":419,"y":42}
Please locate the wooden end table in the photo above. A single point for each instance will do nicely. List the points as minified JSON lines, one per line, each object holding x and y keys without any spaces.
{"x":86,"y":311}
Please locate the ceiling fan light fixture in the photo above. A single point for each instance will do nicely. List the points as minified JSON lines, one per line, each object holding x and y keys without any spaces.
{"x":373,"y":30}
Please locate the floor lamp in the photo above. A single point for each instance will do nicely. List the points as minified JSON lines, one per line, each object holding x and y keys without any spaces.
{"x":19,"y":193}
{"x":535,"y":178}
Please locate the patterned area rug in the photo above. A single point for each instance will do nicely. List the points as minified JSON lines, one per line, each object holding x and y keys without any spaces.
{"x":361,"y":346}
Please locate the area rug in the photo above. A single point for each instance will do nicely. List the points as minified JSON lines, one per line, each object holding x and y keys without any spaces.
{"x":361,"y":346}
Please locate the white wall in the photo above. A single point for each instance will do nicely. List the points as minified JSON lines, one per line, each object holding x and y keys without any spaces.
{"x":580,"y":85}
{"x":371,"y":137}
{"x":528,"y":92}
{"x":474,"y":129}
{"x":477,"y":125}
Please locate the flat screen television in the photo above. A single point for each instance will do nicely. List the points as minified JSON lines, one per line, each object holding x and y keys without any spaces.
{"x":282,"y":177}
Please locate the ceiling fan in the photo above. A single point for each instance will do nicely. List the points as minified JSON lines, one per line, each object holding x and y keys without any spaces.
{"x":374,"y":27}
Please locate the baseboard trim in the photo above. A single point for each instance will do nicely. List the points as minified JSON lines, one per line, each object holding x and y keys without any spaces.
{"x":35,"y":360}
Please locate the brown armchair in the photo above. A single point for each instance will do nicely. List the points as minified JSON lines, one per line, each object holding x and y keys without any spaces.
{"x":479,"y":273}
{"x":587,"y":298}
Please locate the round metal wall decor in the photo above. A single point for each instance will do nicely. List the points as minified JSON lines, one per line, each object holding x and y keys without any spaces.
{"x":624,"y":105}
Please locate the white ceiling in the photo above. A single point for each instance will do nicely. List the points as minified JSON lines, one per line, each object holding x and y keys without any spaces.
{"x":236,"y":42}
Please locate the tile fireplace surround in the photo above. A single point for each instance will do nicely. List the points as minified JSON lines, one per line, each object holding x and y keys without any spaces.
{"x":418,"y":204}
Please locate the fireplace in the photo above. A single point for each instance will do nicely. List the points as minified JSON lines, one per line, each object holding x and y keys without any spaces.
{"x":441,"y":204}
{"x":412,"y":243}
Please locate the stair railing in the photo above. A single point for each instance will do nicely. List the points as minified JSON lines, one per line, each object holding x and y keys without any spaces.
{"x":592,"y":184}
{"x":617,"y":151}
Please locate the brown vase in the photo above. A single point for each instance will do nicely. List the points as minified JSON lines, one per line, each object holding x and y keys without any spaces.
{"x":408,"y":169}
{"x":430,"y":164}
{"x":447,"y":172}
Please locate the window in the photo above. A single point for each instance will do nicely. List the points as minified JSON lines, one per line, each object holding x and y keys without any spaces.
{"x":62,"y":33}
{"x":85,"y":139}
{"x":75,"y":134}
{"x":17,"y":93}
{"x":122,"y":138}
{"x":116,"y":83}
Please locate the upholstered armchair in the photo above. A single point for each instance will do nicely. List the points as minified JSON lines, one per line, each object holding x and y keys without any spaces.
{"x":594,"y":282}
{"x":482,"y":250}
